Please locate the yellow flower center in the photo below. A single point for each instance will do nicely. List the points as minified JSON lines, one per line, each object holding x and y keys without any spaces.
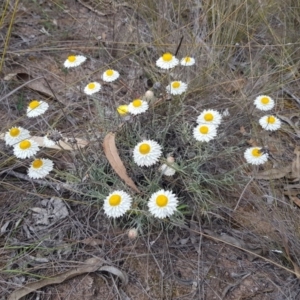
{"x":91,"y":85}
{"x":137,"y":103}
{"x":161,"y":200}
{"x":37,"y":163}
{"x":175,"y":84}
{"x":144,"y":148}
{"x":14,"y":132}
{"x":208,"y":117}
{"x":122,"y":110}
{"x":114,"y":200}
{"x":167,"y":57}
{"x":71,"y":58}
{"x":34,"y":104}
{"x":265,"y":100}
{"x":203,"y":129}
{"x":271,"y":119}
{"x":187,"y":59}
{"x":24,"y":145}
{"x":109,"y":72}
{"x":256,"y":152}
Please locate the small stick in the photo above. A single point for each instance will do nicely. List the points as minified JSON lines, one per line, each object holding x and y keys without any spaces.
{"x":238,"y":203}
{"x":177,"y":50}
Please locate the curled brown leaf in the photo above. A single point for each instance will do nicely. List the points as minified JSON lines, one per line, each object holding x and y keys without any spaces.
{"x":115,"y":161}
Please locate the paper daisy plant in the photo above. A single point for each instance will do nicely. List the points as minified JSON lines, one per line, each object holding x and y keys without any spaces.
{"x":40,"y":168}
{"x":110,"y":75}
{"x":74,"y":61}
{"x":146,"y":153}
{"x":36,"y":108}
{"x":256,"y":156}
{"x":138,"y":106}
{"x":176,"y":87}
{"x":187,"y":61}
{"x":264,"y":102}
{"x":205,"y":132}
{"x":167,"y":61}
{"x":26,"y":148}
{"x":92,"y":88}
{"x":270,"y":123}
{"x":116,"y":204}
{"x":162,"y":204}
{"x":15,"y":135}
{"x":210,"y":116}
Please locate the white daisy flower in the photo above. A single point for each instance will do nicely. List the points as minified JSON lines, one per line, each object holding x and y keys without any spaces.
{"x":162,"y":204}
{"x":138,"y":106}
{"x":116,"y":204}
{"x":176,"y":87}
{"x":36,"y":108}
{"x":16,"y":135}
{"x":187,"y":61}
{"x":92,"y":87}
{"x":205,"y":132}
{"x":255,"y":156}
{"x":122,"y":110}
{"x":110,"y":75}
{"x":167,"y":61}
{"x":270,"y":123}
{"x":74,"y":61}
{"x":210,"y":116}
{"x":40,"y":168}
{"x":48,"y":142}
{"x":146,"y":153}
{"x":264,"y":102}
{"x":26,"y":148}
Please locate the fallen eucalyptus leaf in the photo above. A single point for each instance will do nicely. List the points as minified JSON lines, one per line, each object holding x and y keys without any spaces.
{"x":90,"y":265}
{"x":115,"y":161}
{"x":80,"y":143}
{"x":91,"y":241}
{"x":39,"y":85}
{"x":18,"y":88}
{"x":273,"y":173}
{"x":113,"y":270}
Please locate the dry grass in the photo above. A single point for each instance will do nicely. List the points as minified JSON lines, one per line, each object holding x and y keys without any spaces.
{"x":242,"y":49}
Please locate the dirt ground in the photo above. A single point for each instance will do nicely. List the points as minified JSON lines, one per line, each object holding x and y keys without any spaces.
{"x":224,"y":255}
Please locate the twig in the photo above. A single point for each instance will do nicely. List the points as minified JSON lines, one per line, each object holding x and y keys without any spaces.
{"x":19,"y":87}
{"x":291,"y":94}
{"x":242,"y":194}
{"x":27,"y":178}
{"x":237,"y":247}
